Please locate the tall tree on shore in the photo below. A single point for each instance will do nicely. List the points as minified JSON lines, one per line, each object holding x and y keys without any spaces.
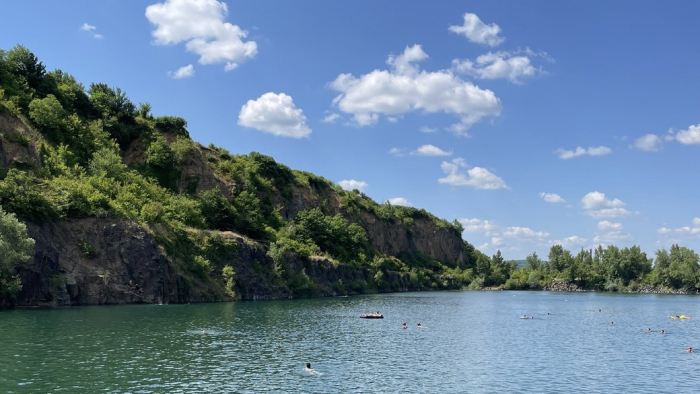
{"x":15,"y":247}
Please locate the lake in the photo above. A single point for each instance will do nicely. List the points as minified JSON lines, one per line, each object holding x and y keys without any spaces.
{"x":473,"y":342}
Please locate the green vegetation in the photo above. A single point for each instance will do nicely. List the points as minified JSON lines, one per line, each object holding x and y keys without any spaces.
{"x":82,"y":135}
{"x":15,"y":248}
{"x":600,"y":269}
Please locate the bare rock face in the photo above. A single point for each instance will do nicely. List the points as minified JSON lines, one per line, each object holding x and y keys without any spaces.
{"x":16,"y":146}
{"x":96,"y":261}
{"x":422,"y":236}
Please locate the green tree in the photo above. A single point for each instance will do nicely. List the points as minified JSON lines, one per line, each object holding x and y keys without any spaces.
{"x":533,"y":262}
{"x":217,"y":211}
{"x":15,"y":248}
{"x":25,"y":64}
{"x":48,"y":114}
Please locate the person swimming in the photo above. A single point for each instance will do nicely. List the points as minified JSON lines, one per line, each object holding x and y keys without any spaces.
{"x":662,"y":332}
{"x":404,"y":326}
{"x":689,"y":349}
{"x":649,"y":329}
{"x":308,"y":367}
{"x":419,"y":326}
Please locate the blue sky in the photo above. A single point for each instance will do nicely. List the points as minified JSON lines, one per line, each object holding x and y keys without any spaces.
{"x":531,"y":122}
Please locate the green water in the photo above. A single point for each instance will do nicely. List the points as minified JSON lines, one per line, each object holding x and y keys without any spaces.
{"x":472,"y":342}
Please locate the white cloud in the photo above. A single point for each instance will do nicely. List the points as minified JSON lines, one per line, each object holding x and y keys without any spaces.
{"x":426,"y":129}
{"x":496,"y":241}
{"x":597,"y":206}
{"x":551,"y":197}
{"x":351,"y":184}
{"x":398,"y":152}
{"x":91,"y":29}
{"x":690,"y":136}
{"x":513,"y":66}
{"x":275,"y":114}
{"x":183,"y":72}
{"x":405,"y":88}
{"x":579,"y":151}
{"x":523,"y":233}
{"x":200,"y":25}
{"x":611,"y":234}
{"x":648,"y":143}
{"x":475,"y":225}
{"x":399,"y":201}
{"x":478,"y":32}
{"x":477,"y":177}
{"x":431,"y":150}
{"x":571,"y":242}
{"x":606,"y":225}
{"x":688,"y":231}
{"x":331,"y":118}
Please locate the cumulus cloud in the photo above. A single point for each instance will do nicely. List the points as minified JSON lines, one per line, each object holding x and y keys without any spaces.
{"x":200,"y":25}
{"x":648,"y":143}
{"x":599,"y":207}
{"x":514,"y":66}
{"x":426,"y":129}
{"x":512,"y":238}
{"x":183,"y":72}
{"x":523,"y":232}
{"x":693,"y":230}
{"x":690,"y":136}
{"x":405,"y":88}
{"x":611,"y":234}
{"x":551,"y":197}
{"x":351,"y":184}
{"x":275,"y":114}
{"x":571,"y":242}
{"x":478,"y":32}
{"x":607,"y":226}
{"x":477,"y":177}
{"x":431,"y":150}
{"x":579,"y":151}
{"x":399,"y":201}
{"x":91,"y":29}
{"x":474,"y":225}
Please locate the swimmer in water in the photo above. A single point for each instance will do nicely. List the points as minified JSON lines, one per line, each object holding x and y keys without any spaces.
{"x":648,"y":329}
{"x":404,"y":326}
{"x":308,"y":367}
{"x":689,"y":349}
{"x":612,"y":323}
{"x":419,"y":326}
{"x":663,"y":332}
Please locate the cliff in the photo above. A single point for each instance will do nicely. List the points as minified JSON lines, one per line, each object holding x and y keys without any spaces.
{"x":126,"y":208}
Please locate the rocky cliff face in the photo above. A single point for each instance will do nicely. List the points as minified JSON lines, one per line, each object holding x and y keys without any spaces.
{"x":97,"y":261}
{"x":16,"y":144}
{"x":393,"y":237}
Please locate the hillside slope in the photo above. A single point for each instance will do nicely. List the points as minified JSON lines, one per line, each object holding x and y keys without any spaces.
{"x":125,"y":207}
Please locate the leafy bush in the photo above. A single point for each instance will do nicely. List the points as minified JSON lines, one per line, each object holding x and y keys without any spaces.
{"x":172,"y":124}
